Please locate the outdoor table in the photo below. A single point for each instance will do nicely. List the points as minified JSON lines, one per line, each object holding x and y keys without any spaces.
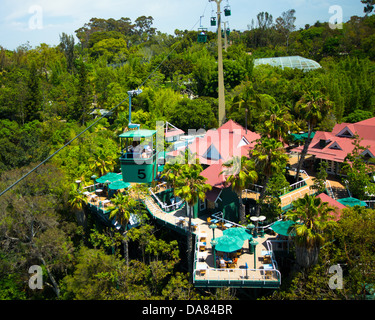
{"x":86,"y":193}
{"x":181,"y":220}
{"x":202,"y":255}
{"x":202,"y":234}
{"x":228,"y":225}
{"x":214,"y":220}
{"x":99,"y":190}
{"x":202,"y":266}
{"x":105,"y":202}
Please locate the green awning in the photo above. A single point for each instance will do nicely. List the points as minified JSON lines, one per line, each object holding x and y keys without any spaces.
{"x":111,"y":177}
{"x":351,"y":202}
{"x":228,"y":244}
{"x":240,"y":233}
{"x":143,"y":133}
{"x":119,"y":185}
{"x":302,"y":136}
{"x":281,"y":227}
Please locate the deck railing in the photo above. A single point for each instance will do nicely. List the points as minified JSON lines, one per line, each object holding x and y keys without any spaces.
{"x":164,"y":206}
{"x":237,"y":274}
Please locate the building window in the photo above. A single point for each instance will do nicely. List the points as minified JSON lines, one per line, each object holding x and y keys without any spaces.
{"x":202,"y":205}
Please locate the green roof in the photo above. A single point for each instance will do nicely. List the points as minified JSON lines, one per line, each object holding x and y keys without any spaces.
{"x":142,"y":133}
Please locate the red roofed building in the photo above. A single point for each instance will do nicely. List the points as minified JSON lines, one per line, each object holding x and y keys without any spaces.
{"x":334,"y":146}
{"x":213,"y":149}
{"x":228,"y":141}
{"x":221,"y":197}
{"x":333,"y":203}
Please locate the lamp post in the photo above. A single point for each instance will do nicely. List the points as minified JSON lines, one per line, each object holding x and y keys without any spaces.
{"x":261,"y":219}
{"x":213,"y":244}
{"x":255,"y":219}
{"x":250,"y":227}
{"x":78,"y":182}
{"x":254,"y":244}
{"x":213,"y":227}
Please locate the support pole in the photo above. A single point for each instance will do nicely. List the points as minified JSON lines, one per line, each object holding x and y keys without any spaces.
{"x":220,"y":67}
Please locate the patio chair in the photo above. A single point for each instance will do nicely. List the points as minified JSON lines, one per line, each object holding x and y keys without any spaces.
{"x":266,"y":259}
{"x":208,"y":220}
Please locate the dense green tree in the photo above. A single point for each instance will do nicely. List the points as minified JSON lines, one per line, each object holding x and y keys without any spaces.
{"x":313,"y":108}
{"x":124,"y":206}
{"x":191,"y":187}
{"x":311,"y":216}
{"x":270,"y":159}
{"x":358,"y":171}
{"x":193,"y":114}
{"x":240,"y":172}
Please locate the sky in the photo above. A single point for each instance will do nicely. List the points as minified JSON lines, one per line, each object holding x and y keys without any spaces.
{"x":43,"y":21}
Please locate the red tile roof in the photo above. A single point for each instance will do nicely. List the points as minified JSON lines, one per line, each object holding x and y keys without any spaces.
{"x":214,"y":178}
{"x":332,"y":202}
{"x":228,"y":141}
{"x":365,"y":129}
{"x":173,"y":132}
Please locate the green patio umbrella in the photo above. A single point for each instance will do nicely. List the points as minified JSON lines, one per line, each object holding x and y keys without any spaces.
{"x":351,"y":202}
{"x":228,"y":244}
{"x":281,"y":227}
{"x":111,"y":177}
{"x":119,"y":185}
{"x":240,"y":233}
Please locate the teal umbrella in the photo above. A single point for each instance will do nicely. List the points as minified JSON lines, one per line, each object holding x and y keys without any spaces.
{"x":111,"y":177}
{"x":228,"y":244}
{"x":351,"y":202}
{"x":281,"y":227}
{"x":119,"y":185}
{"x":240,"y":233}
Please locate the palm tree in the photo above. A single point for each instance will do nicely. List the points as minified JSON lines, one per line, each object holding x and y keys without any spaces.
{"x":240,"y":172}
{"x":313,"y":107}
{"x":270,"y":158}
{"x":124,"y":205}
{"x":191,"y":187}
{"x":312,"y":217}
{"x":102,"y":163}
{"x":171,"y":172}
{"x":276,"y":122}
{"x":77,"y":200}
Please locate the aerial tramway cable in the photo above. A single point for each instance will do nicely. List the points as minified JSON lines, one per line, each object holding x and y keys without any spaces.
{"x":94,"y":123}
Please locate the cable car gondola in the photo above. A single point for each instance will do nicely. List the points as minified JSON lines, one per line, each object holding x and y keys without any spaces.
{"x":202,"y":35}
{"x":227,"y":11}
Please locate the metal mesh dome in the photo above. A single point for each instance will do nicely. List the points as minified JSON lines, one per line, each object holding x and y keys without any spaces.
{"x":289,"y":62}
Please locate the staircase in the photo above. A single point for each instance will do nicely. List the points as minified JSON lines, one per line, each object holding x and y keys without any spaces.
{"x":339,"y":193}
{"x":152,"y":206}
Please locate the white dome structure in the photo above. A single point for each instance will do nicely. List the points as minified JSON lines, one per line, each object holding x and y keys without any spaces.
{"x":296,"y":62}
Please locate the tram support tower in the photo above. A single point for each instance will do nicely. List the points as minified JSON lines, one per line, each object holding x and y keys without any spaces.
{"x":220,"y":66}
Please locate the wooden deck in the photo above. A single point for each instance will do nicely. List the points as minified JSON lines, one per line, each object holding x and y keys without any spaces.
{"x":251,"y":277}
